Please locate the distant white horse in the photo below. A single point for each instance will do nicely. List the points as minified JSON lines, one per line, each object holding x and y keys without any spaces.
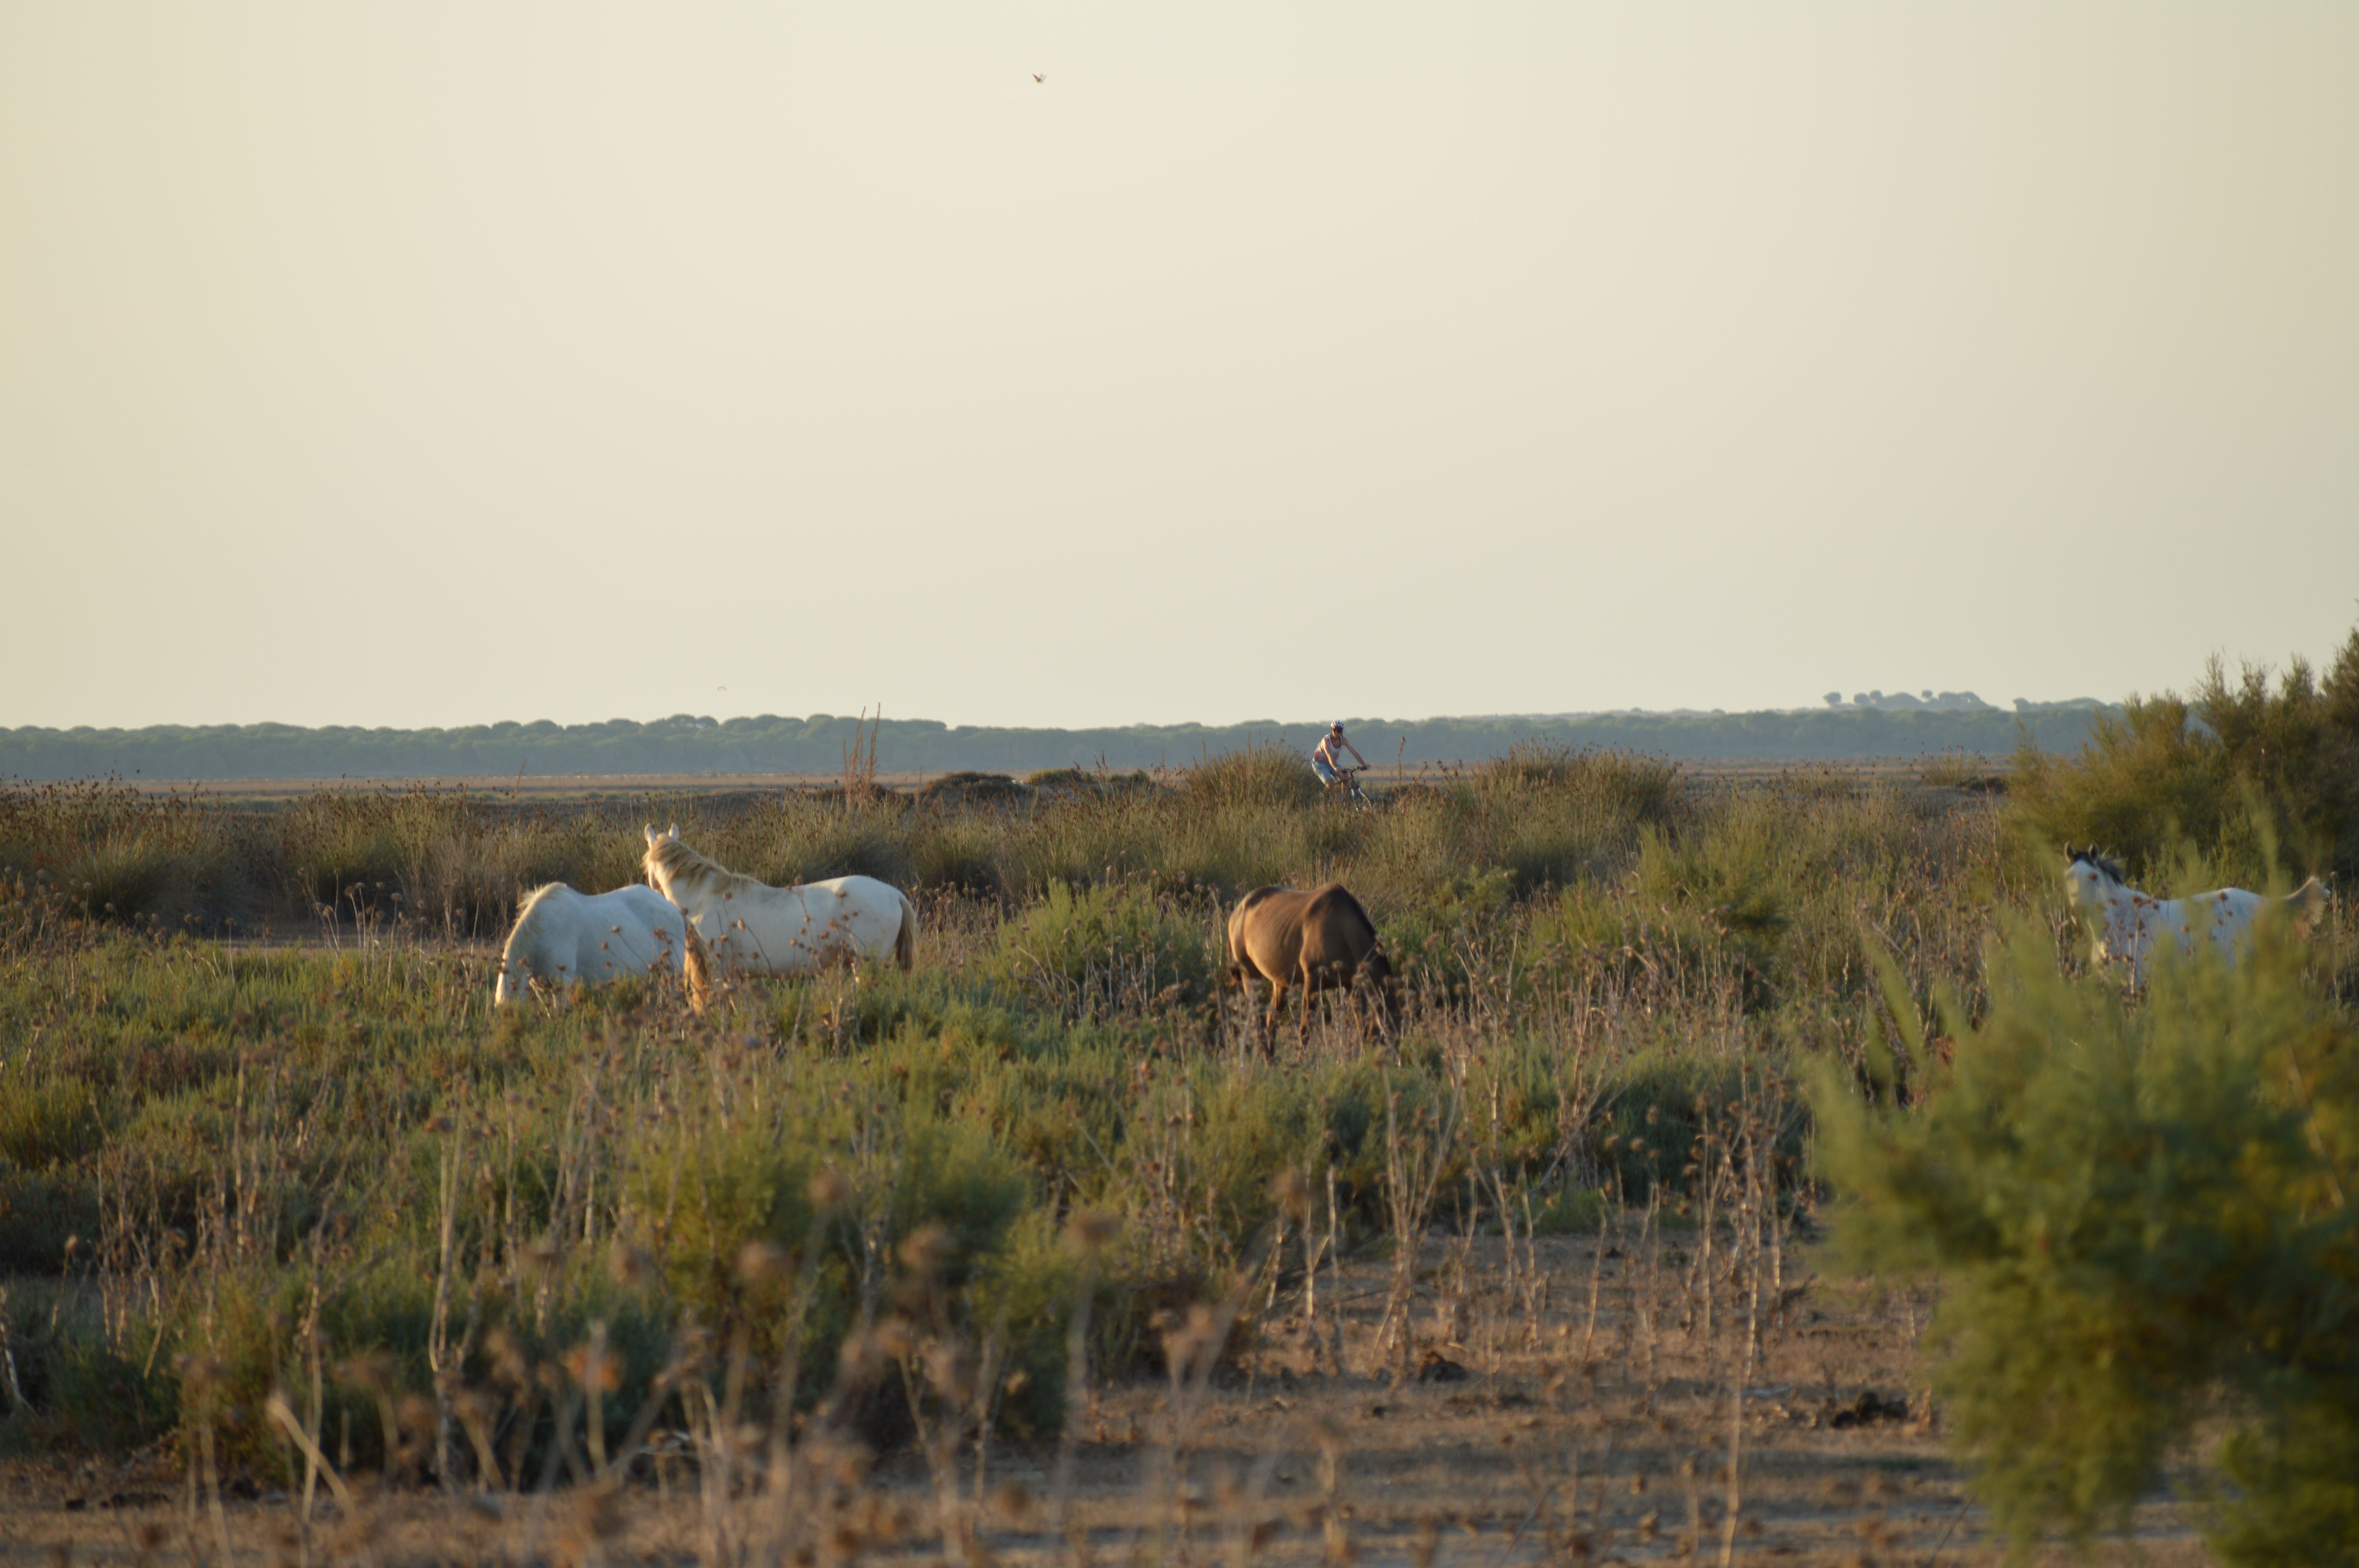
{"x":2126,"y":923}
{"x":577,"y":938}
{"x":750,"y":928}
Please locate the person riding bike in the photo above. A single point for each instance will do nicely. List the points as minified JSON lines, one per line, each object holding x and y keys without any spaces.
{"x":1327,"y":759}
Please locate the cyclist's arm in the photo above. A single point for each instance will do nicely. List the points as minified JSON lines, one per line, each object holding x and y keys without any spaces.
{"x":1356,"y":752}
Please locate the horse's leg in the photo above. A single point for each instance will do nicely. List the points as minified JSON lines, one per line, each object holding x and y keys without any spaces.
{"x":1310,"y":1000}
{"x":1277,"y":1010}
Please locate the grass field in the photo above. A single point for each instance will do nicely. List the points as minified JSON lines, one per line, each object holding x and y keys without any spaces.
{"x":1033,"y":1253}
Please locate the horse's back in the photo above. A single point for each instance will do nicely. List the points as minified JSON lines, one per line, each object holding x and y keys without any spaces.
{"x":1278,"y":929}
{"x":2224,"y":917}
{"x":656,"y":912}
{"x":790,"y":930}
{"x":1265,"y":920}
{"x":1334,"y":907}
{"x":630,"y":930}
{"x":857,"y":886}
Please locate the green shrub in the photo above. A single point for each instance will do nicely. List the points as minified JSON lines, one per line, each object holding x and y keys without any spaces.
{"x":2175,"y":770}
{"x":1655,"y":1107}
{"x":2138,"y":1214}
{"x":1570,"y":1211}
{"x":82,"y":1394}
{"x":40,"y":1213}
{"x":1089,"y":951}
{"x":1427,"y":935}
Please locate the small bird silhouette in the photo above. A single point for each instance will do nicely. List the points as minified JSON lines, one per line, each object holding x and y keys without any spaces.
{"x":1037,"y":76}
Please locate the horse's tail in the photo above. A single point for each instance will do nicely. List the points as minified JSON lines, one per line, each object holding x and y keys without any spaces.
{"x":905,"y":941}
{"x":697,"y":968}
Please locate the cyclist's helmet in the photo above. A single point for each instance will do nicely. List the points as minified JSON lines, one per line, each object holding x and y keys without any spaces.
{"x":1336,"y":728}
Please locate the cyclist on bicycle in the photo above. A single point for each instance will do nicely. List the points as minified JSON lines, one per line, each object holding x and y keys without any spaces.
{"x":1327,"y":759}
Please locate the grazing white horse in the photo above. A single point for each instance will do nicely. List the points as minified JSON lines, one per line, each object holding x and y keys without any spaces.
{"x":573,"y":938}
{"x":750,"y":928}
{"x":2126,"y":923}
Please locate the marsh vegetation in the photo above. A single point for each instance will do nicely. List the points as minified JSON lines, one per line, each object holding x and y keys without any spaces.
{"x":1034,"y":1250}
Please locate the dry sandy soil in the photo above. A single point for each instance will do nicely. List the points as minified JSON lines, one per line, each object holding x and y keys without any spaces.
{"x":1533,"y":1428}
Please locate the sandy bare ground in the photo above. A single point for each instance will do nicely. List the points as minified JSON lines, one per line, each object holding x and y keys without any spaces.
{"x":1536,"y":1429}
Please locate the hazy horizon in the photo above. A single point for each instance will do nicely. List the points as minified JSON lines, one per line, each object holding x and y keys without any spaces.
{"x":1299,"y":721}
{"x":452,"y":364}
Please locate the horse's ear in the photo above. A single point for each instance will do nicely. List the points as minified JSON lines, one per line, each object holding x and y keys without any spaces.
{"x":651,"y":834}
{"x":675,"y":830}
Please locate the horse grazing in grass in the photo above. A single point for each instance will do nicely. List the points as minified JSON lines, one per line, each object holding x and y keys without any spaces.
{"x":571,"y":938}
{"x":1320,"y":940}
{"x":750,"y":928}
{"x":2126,"y":923}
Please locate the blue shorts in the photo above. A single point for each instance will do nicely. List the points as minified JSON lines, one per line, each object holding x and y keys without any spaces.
{"x":1327,"y":774}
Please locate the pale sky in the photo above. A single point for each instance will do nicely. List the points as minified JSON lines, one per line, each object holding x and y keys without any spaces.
{"x":430,"y":364}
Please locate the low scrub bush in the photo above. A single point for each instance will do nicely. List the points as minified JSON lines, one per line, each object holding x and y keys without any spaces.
{"x":2137,"y":1209}
{"x":1100,"y":949}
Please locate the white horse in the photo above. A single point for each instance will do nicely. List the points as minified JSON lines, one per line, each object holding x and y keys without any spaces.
{"x":573,"y":938}
{"x":750,"y":928}
{"x":2126,"y":923}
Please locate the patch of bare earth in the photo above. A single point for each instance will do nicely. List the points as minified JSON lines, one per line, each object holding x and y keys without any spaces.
{"x":1552,"y":1401}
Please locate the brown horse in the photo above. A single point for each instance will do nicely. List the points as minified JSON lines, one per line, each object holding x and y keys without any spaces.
{"x":1320,"y":940}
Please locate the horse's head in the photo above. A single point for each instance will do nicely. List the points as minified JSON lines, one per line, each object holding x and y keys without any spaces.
{"x":652,"y":864}
{"x":2091,"y":879}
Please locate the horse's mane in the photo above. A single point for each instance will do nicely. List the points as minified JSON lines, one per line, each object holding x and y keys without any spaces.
{"x":1352,"y":902}
{"x":2104,"y":866}
{"x":1351,"y":897}
{"x":535,"y":895}
{"x":685,"y":866}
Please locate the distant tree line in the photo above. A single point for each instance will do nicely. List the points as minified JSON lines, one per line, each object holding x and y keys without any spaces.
{"x":688,"y":744}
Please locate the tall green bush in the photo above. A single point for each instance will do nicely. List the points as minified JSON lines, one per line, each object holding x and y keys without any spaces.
{"x":2139,"y":1212}
{"x":2174,"y":771}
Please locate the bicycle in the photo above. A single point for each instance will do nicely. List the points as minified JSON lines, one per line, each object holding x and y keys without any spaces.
{"x":1347,"y":780}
